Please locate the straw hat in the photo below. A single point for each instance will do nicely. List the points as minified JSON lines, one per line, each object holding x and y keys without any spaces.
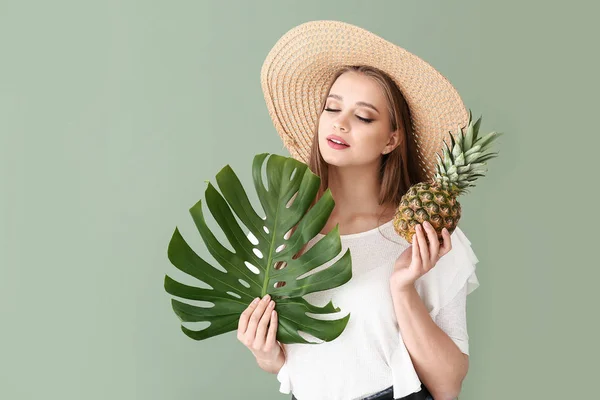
{"x":299,"y":67}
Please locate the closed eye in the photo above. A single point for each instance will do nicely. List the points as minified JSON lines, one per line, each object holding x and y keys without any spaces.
{"x":366,"y":120}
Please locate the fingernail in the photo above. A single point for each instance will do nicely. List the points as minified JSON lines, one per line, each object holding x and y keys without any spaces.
{"x":255,"y":301}
{"x":271,"y":304}
{"x":266,"y":298}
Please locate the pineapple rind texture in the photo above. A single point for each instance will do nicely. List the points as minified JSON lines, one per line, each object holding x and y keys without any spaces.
{"x":427,"y":202}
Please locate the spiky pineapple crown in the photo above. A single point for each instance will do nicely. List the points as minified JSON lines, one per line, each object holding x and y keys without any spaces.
{"x":465,"y":160}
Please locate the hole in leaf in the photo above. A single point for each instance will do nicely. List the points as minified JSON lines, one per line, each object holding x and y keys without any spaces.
{"x":280,"y":265}
{"x":243,"y":282}
{"x":279,"y":284}
{"x":328,"y":316}
{"x":197,"y":326}
{"x":252,"y":238}
{"x":277,"y":250}
{"x":310,"y":338}
{"x":257,"y":252}
{"x":234,"y":295}
{"x":263,"y":174}
{"x":289,"y":203}
{"x":266,"y":230}
{"x":252,"y":267}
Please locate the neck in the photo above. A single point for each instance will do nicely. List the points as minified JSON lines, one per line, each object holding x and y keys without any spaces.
{"x":355,"y":190}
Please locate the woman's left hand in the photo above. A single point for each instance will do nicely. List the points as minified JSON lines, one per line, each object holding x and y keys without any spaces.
{"x":419,"y":258}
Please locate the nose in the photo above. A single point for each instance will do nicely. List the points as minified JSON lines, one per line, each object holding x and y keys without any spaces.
{"x":337,"y":125}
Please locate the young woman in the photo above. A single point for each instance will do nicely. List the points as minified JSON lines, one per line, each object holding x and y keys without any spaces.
{"x":373,"y":108}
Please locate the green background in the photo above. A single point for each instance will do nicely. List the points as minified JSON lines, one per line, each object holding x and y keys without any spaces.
{"x":113,"y":113}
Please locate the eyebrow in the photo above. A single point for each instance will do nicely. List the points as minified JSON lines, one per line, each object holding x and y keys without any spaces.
{"x":359,"y":103}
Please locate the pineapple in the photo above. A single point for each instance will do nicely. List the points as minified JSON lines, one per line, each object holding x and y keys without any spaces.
{"x":435,"y":201}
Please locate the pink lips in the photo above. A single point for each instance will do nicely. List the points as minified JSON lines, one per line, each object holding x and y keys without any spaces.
{"x":336,"y":145}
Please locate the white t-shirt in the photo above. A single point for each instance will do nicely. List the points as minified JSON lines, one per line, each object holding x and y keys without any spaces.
{"x":370,"y":354}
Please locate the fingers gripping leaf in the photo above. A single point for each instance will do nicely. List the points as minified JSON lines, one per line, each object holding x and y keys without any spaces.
{"x":250,"y":268}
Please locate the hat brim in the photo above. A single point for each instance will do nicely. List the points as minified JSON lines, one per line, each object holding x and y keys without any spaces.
{"x":299,"y":67}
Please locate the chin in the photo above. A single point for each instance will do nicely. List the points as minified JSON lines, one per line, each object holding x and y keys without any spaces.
{"x":336,"y":160}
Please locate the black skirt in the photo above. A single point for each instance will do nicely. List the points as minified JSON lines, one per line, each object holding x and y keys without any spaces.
{"x":388,"y":394}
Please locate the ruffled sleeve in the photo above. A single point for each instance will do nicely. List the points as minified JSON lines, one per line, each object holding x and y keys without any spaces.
{"x":283,"y":376}
{"x":404,"y":376}
{"x":452,"y":319}
{"x":453,"y":272}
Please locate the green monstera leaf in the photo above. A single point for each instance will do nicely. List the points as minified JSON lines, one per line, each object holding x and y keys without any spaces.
{"x":249,"y":271}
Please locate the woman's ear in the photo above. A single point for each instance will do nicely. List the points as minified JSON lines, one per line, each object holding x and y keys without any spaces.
{"x":392,"y":143}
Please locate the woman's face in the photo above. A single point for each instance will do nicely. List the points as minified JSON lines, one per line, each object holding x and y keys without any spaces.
{"x":356,"y":111}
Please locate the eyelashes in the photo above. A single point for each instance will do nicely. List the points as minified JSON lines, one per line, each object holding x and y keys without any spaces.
{"x":366,"y":120}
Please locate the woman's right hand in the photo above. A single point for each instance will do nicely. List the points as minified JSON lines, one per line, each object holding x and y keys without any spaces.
{"x":257,"y":329}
